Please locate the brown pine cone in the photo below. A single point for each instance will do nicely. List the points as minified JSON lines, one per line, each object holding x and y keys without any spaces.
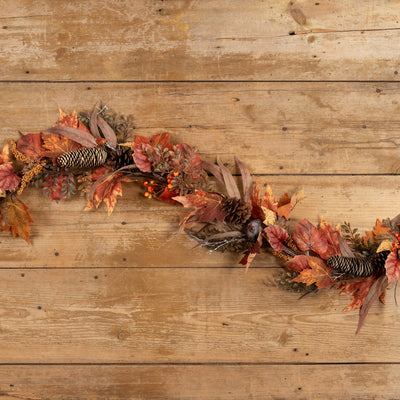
{"x":237,"y":212}
{"x":122,"y":157}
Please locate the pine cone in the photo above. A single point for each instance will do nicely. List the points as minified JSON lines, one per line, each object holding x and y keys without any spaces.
{"x":83,"y":158}
{"x":123,"y":157}
{"x":237,"y":212}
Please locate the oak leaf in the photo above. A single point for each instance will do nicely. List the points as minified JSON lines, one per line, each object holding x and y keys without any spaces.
{"x":392,"y":266}
{"x":318,"y":273}
{"x":284,"y":206}
{"x":276,"y":237}
{"x":106,"y":187}
{"x":308,"y":237}
{"x":30,"y":145}
{"x":8,"y":179}
{"x":14,"y":217}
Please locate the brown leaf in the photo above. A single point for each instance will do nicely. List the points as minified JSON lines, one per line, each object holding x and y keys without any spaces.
{"x":213,"y":169}
{"x":332,"y":236}
{"x":93,"y":123}
{"x":374,"y":293}
{"x":82,"y":137}
{"x":276,"y":236}
{"x":5,"y":155}
{"x":318,"y":273}
{"x":247,"y":182}
{"x":71,"y":120}
{"x":30,"y":145}
{"x":9,"y":180}
{"x":230,"y":184}
{"x":345,"y":248}
{"x":107,"y":131}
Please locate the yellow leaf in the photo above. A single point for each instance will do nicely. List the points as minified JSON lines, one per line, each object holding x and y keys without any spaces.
{"x":270,"y":216}
{"x":385,"y":245}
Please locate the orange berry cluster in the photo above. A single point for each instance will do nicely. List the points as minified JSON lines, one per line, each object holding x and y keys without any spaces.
{"x":396,"y":245}
{"x":150,"y":188}
{"x":171,"y":178}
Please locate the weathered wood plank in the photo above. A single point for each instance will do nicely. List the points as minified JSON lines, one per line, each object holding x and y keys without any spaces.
{"x":176,"y":315}
{"x":192,"y":40}
{"x":141,"y":233}
{"x":287,"y":128}
{"x":201,"y":382}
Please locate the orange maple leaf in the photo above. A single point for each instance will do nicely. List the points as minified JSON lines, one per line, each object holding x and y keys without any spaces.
{"x":14,"y":217}
{"x":318,"y":273}
{"x":379,"y":230}
{"x":107,"y":186}
{"x":268,"y":200}
{"x":256,"y":210}
{"x":71,"y":120}
{"x":55,"y":145}
{"x":359,"y":289}
{"x":284,"y":206}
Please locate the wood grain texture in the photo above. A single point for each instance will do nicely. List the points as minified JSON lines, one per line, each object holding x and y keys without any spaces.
{"x":142,"y":233}
{"x":184,"y":382}
{"x":275,"y":128}
{"x":176,"y":315}
{"x":199,"y":40}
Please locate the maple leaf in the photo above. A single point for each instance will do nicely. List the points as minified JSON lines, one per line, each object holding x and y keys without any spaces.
{"x":318,"y":273}
{"x":251,"y":254}
{"x":71,"y":121}
{"x":332,"y":236}
{"x":55,"y":145}
{"x":359,"y":289}
{"x":392,"y":266}
{"x":8,"y":179}
{"x":297,"y":263}
{"x":268,"y":200}
{"x":373,"y":236}
{"x":30,"y":145}
{"x":167,"y":196}
{"x":59,"y":185}
{"x":106,"y":187}
{"x":256,"y":210}
{"x":14,"y":217}
{"x":276,"y":237}
{"x":207,"y":204}
{"x":284,"y":206}
{"x":308,"y":237}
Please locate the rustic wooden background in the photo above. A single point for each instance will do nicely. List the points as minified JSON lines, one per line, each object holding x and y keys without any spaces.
{"x":306,"y":92}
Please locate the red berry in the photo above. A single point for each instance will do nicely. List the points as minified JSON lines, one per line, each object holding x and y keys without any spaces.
{"x":145,"y":183}
{"x":176,"y":173}
{"x":152,"y":182}
{"x":146,"y":194}
{"x":150,"y":189}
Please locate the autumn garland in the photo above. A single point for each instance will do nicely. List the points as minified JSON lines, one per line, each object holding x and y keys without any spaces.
{"x":90,"y":152}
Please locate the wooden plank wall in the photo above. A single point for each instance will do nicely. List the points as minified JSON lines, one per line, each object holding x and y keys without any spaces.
{"x":305,"y":92}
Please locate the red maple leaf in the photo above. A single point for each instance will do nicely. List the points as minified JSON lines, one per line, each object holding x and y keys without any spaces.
{"x":30,"y":145}
{"x":208,"y":205}
{"x":8,"y":179}
{"x":318,"y":273}
{"x":332,"y":236}
{"x":392,"y":266}
{"x":308,"y":237}
{"x":167,"y":196}
{"x":276,"y":236}
{"x":297,"y":263}
{"x":359,"y":289}
{"x":106,"y":187}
